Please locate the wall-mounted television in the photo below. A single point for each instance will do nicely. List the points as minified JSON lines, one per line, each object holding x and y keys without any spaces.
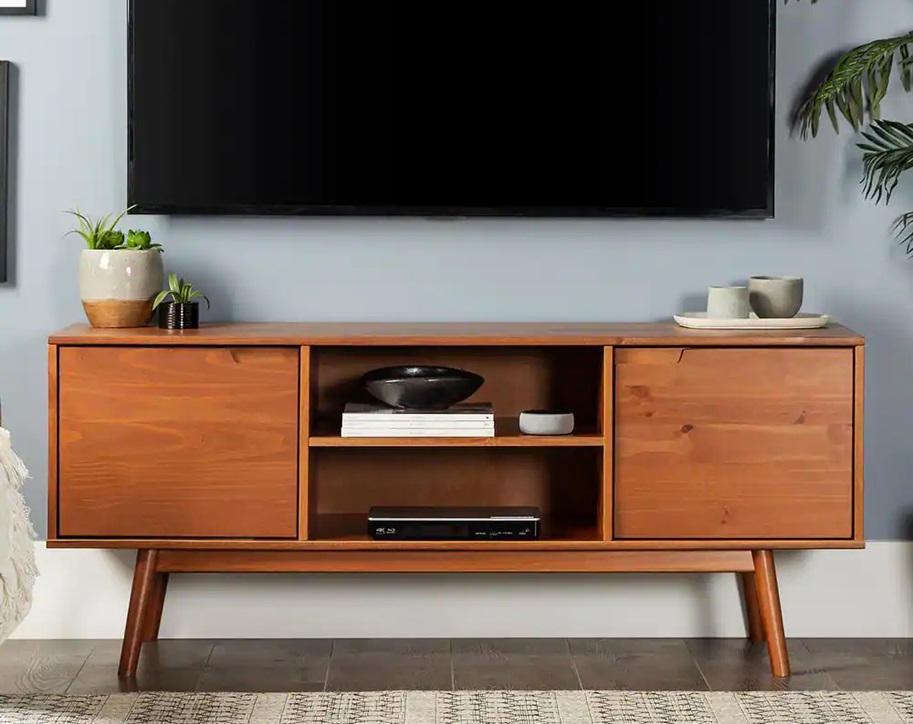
{"x":472,"y":108}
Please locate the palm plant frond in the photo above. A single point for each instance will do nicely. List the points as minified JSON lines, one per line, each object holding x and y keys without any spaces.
{"x":903,"y":227}
{"x":887,"y":153}
{"x":857,"y":83}
{"x":855,"y":86}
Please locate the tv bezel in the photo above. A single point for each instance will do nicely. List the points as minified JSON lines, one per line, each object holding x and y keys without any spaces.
{"x":459,"y":212}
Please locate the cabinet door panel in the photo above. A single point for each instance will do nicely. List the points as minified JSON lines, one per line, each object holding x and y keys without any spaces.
{"x":733,"y":443}
{"x":180,"y":442}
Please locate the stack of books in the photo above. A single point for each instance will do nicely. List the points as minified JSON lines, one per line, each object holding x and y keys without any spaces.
{"x":463,"y":420}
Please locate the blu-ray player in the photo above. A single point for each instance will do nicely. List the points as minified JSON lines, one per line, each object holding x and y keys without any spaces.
{"x":448,"y":523}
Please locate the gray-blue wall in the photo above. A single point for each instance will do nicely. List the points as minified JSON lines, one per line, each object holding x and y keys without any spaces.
{"x":70,"y":138}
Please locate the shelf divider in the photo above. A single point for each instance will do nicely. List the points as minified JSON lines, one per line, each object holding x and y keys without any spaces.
{"x":607,"y":405}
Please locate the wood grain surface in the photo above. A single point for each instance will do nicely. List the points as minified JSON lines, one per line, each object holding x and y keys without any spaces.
{"x":859,"y":446}
{"x":304,"y":452}
{"x":607,"y":425}
{"x":765,"y":573}
{"x":575,"y":537}
{"x":750,"y":603}
{"x":456,"y":334}
{"x":175,"y":561}
{"x":52,"y":440}
{"x":507,"y":434}
{"x":143,"y":598}
{"x":178,"y":442}
{"x":672,"y":484}
{"x":40,"y":667}
{"x":729,"y":444}
{"x":283,"y":665}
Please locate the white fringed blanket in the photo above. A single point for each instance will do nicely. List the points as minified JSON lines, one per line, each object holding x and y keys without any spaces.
{"x":17,"y":549}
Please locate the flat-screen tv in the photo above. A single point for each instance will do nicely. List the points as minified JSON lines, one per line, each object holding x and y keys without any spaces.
{"x":578,"y":108}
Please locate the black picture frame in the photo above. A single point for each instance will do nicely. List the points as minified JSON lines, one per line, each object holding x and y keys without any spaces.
{"x":4,"y":163}
{"x":30,"y":7}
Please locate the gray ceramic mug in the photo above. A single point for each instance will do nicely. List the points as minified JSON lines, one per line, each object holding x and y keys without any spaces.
{"x":727,"y":303}
{"x":775,"y":297}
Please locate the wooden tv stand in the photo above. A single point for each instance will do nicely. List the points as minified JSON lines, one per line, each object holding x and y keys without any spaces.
{"x":219,"y":450}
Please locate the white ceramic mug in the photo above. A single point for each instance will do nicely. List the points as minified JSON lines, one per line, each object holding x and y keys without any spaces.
{"x":727,"y":303}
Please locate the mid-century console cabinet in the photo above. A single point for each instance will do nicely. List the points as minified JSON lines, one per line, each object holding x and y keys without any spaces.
{"x":218,"y":450}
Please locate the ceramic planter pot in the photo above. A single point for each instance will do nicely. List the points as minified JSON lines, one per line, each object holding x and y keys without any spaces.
{"x":117,"y":287}
{"x":179,"y":316}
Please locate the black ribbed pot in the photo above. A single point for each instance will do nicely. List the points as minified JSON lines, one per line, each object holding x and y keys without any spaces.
{"x":179,"y":316}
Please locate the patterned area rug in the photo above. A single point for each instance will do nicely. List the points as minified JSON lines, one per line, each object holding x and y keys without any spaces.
{"x":466,"y":707}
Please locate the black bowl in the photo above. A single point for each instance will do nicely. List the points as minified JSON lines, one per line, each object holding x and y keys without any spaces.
{"x":421,"y":388}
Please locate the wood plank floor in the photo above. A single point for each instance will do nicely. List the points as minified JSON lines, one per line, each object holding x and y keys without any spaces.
{"x":369,"y":665}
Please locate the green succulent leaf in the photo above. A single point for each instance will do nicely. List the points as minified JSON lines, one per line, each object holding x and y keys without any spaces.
{"x":195,"y":294}
{"x":180,"y":292}
{"x":140,"y":240}
{"x":86,"y":237}
{"x":111,"y":239}
{"x":99,"y":233}
{"x":160,"y":297}
{"x":121,"y":215}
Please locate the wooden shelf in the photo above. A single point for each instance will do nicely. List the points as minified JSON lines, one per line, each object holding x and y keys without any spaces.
{"x":348,"y":531}
{"x":367,"y":544}
{"x":507,"y":434}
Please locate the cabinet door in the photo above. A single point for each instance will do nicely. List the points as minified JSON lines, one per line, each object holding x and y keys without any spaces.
{"x":734,"y":443}
{"x":180,"y":442}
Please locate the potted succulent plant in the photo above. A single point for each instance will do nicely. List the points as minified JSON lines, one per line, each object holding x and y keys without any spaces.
{"x":182,"y":312}
{"x":118,"y":274}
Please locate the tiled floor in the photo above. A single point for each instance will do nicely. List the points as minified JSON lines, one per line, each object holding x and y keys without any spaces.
{"x":368,"y":665}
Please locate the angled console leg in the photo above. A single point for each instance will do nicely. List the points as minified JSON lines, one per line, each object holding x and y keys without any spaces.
{"x":752,"y":612}
{"x":771,"y":616}
{"x":140,"y":596}
{"x":153,"y":619}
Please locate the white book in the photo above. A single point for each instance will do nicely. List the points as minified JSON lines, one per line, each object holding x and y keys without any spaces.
{"x":429,"y":424}
{"x":396,"y":432}
{"x":480,"y":411}
{"x":468,"y":427}
{"x":405,"y":432}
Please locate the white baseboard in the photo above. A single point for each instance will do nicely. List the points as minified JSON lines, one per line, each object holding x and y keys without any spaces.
{"x":867,"y":593}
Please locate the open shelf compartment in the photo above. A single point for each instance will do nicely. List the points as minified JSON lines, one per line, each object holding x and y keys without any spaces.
{"x":564,"y":483}
{"x":516,"y":379}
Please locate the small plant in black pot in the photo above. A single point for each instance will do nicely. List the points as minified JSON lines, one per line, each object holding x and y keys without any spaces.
{"x":182,"y":312}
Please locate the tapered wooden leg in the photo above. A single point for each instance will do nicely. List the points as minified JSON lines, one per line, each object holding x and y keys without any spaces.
{"x":752,"y":612}
{"x":140,"y":596}
{"x":153,"y":619}
{"x":765,"y":575}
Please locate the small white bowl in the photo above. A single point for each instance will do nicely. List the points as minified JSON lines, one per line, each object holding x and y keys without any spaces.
{"x":546,"y":422}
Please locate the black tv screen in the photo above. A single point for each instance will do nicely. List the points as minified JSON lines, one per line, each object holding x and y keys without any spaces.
{"x":470,"y":108}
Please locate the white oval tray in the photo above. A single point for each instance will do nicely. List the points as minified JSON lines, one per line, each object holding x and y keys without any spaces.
{"x":698,"y":320}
